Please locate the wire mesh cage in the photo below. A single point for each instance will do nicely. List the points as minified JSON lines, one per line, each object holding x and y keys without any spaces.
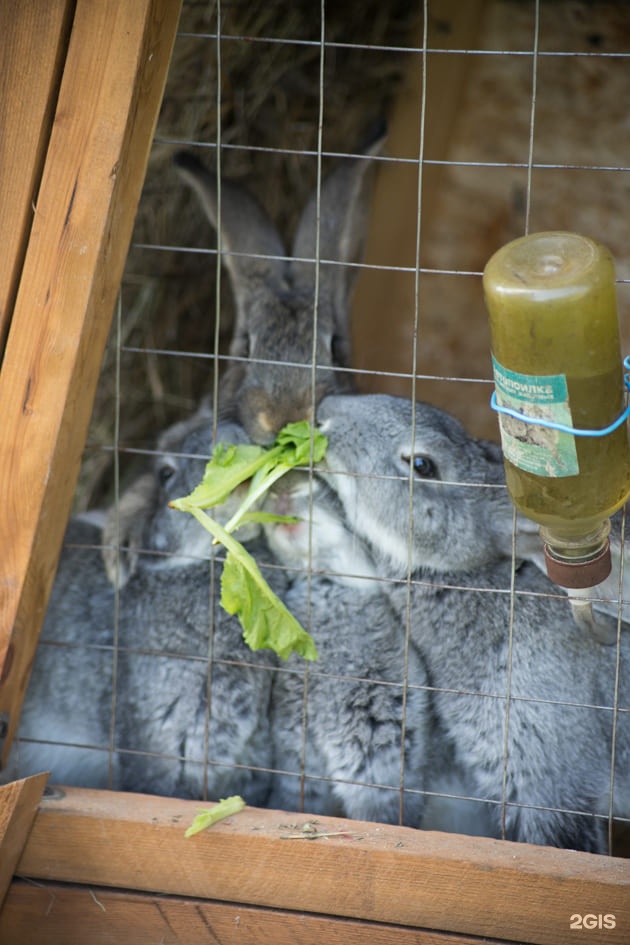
{"x":503,"y":119}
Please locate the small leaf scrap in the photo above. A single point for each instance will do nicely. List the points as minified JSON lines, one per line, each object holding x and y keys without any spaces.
{"x":208,"y":816}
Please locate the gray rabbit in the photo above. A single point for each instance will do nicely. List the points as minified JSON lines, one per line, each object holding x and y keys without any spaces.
{"x":357,"y":711}
{"x":188,"y":699}
{"x":288,"y":350}
{"x":524,"y":696}
{"x":66,"y":719}
{"x":191,"y":689}
{"x":270,"y":379}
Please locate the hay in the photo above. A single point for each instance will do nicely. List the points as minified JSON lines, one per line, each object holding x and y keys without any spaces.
{"x":270,"y":99}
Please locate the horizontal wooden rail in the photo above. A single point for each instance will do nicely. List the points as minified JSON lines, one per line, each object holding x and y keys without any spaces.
{"x":82,"y":915}
{"x":393,"y":876}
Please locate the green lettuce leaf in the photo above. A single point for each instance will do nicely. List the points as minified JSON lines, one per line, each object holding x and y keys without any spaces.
{"x":229,"y":467}
{"x":265,"y":620}
{"x":295,"y":439}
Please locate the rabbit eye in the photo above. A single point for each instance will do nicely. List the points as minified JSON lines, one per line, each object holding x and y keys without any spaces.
{"x":423,"y":466}
{"x":339,"y":349}
{"x":165,"y":472}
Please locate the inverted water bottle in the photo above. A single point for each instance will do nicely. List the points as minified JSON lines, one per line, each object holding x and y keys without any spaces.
{"x":560,"y":395}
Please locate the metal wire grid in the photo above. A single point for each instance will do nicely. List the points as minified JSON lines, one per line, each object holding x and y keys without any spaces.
{"x":215,"y":358}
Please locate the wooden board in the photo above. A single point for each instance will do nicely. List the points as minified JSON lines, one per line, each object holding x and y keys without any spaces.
{"x":50,"y":913}
{"x":108,"y":102}
{"x":34,"y":45}
{"x":18,"y":803}
{"x":369,"y":872}
{"x":384,"y":304}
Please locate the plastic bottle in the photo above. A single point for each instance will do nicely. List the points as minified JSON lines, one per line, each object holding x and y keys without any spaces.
{"x":556,"y":356}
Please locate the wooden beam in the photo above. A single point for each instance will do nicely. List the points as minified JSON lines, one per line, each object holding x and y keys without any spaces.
{"x":384,"y":302}
{"x":389,"y":875}
{"x":34,"y":44}
{"x":49,"y":913}
{"x":108,"y":103}
{"x":18,"y":803}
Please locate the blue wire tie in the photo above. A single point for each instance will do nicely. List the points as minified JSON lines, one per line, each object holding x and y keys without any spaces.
{"x":561,"y":426}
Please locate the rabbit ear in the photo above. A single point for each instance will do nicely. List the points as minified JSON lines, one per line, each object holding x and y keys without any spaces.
{"x":343,"y":210}
{"x":247,"y":234}
{"x":123,"y":529}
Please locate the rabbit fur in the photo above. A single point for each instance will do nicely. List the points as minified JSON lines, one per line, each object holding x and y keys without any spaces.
{"x":269,"y":380}
{"x":356,"y":695}
{"x":191,"y":699}
{"x":66,"y":719}
{"x":276,"y":338}
{"x":553,"y":683}
{"x":224,"y":704}
{"x":274,"y":304}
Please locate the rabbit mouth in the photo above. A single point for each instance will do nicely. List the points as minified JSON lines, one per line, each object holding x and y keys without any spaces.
{"x":283,"y":503}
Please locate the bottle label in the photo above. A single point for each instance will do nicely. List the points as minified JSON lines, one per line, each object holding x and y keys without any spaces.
{"x":539,"y":450}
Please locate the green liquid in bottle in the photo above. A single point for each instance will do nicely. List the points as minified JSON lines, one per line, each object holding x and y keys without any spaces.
{"x":553,"y":319}
{"x":575,"y":504}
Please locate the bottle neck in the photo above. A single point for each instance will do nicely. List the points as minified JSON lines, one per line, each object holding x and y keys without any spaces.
{"x":578,"y":561}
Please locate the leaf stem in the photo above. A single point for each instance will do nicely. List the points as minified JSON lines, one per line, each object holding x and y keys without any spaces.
{"x":257,"y":490}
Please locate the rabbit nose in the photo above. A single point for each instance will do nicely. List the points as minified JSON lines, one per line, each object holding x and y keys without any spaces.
{"x":266,"y":423}
{"x":323,"y":425}
{"x":269,"y":424}
{"x":329,"y":408}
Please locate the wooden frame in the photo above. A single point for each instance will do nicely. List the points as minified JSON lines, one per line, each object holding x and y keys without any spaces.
{"x":97,"y":866}
{"x":374,"y":883}
{"x":109,"y":60}
{"x":393,"y":235}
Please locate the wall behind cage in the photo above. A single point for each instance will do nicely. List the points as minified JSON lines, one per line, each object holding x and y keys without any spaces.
{"x":537,"y":142}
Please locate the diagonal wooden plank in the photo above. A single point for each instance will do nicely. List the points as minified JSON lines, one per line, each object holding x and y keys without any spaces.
{"x":34,"y":45}
{"x":107,"y":108}
{"x":18,"y":803}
